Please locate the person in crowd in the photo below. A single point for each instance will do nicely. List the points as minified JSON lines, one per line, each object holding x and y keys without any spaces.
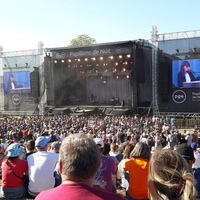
{"x":189,"y":138}
{"x":186,"y":152}
{"x":104,"y":176}
{"x":172,"y":139}
{"x":121,"y":174}
{"x":170,"y":177}
{"x":196,"y":167}
{"x":13,"y":170}
{"x":30,"y":147}
{"x":137,"y":166}
{"x":55,"y":146}
{"x":11,"y":83}
{"x":41,"y":167}
{"x":113,"y":149}
{"x":185,"y":74}
{"x":79,"y":162}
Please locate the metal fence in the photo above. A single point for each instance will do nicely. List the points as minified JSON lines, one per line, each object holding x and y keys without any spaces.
{"x":187,"y":123}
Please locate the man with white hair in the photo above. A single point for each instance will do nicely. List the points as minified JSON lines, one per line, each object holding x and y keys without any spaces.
{"x":79,"y":162}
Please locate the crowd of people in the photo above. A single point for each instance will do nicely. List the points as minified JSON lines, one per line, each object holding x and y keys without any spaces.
{"x":91,"y":157}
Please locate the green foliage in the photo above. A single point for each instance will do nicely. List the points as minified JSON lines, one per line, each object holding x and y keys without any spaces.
{"x":82,"y":40}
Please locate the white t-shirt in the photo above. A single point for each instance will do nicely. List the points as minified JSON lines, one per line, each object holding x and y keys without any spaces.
{"x":196,"y":164}
{"x":41,"y":167}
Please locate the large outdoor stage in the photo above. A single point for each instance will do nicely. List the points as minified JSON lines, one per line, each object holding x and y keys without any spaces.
{"x":121,"y":78}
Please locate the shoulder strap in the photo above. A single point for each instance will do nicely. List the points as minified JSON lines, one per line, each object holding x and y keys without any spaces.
{"x":13,"y":171}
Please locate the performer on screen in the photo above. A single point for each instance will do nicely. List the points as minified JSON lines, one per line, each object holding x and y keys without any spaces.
{"x":185,"y":74}
{"x":11,"y":84}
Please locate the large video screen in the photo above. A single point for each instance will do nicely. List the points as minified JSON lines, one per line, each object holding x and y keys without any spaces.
{"x":17,"y":82}
{"x":186,"y":73}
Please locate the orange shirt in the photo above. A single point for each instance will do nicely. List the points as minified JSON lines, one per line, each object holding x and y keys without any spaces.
{"x":138,"y":174}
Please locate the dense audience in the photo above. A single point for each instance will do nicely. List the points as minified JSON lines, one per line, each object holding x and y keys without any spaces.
{"x":124,"y":142}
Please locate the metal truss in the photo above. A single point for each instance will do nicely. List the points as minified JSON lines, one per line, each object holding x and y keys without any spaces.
{"x":155,"y":38}
{"x":180,"y":114}
{"x":154,"y":106}
{"x":177,"y":35}
{"x":22,"y":53}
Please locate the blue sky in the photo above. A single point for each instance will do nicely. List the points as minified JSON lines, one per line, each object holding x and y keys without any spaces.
{"x":55,"y":22}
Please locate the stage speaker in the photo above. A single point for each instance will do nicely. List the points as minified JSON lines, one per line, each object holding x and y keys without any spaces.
{"x":164,"y":78}
{"x":140,"y":66}
{"x":35,"y":89}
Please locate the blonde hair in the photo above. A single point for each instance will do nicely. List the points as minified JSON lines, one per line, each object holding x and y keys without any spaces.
{"x":170,"y":176}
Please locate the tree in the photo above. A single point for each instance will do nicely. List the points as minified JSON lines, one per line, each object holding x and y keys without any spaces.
{"x":82,"y":40}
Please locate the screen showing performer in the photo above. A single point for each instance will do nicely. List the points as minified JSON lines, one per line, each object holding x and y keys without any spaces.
{"x":186,"y":73}
{"x":17,"y":82}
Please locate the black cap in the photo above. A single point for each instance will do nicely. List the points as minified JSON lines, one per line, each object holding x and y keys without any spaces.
{"x":185,"y":151}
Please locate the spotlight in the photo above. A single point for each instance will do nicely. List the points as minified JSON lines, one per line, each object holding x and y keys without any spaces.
{"x":62,"y":61}
{"x":55,"y":61}
{"x":69,"y":60}
{"x":120,"y":56}
{"x":128,"y":56}
{"x":86,"y":59}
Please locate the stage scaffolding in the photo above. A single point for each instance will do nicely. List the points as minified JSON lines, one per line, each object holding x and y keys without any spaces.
{"x":15,"y":61}
{"x":155,"y":38}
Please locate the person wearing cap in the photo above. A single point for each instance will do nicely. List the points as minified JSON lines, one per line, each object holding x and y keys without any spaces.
{"x":186,"y":152}
{"x":55,"y":146}
{"x":196,"y":167}
{"x":13,"y":170}
{"x":41,"y":167}
{"x":103,"y":179}
{"x":79,"y":162}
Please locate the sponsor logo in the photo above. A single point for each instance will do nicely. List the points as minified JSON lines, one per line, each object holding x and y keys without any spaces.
{"x":118,"y":50}
{"x":179,"y":96}
{"x":16,"y":99}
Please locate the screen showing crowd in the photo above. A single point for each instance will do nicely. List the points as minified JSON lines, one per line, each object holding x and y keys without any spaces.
{"x":186,"y":73}
{"x":17,"y":82}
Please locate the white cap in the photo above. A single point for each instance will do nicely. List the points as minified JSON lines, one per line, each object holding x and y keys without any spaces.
{"x":99,"y":142}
